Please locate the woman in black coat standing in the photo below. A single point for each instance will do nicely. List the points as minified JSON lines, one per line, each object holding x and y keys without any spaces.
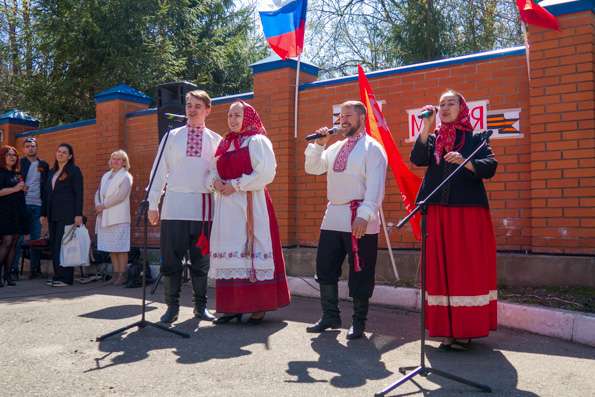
{"x":63,"y":207}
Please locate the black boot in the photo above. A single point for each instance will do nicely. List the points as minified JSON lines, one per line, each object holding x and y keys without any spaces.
{"x":34,"y":272}
{"x":360,"y":314}
{"x":329,"y":299}
{"x":8,"y":279}
{"x":199,"y":296}
{"x":172,"y":285}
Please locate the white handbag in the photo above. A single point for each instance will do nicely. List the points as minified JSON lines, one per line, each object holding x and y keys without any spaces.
{"x":75,"y":246}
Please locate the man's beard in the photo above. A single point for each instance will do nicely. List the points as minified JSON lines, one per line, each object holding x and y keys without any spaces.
{"x":351,"y":131}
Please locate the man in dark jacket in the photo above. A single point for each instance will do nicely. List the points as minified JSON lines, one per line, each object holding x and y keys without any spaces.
{"x":35,"y":172}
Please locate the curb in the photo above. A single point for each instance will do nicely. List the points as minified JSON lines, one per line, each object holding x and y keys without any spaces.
{"x":572,"y":326}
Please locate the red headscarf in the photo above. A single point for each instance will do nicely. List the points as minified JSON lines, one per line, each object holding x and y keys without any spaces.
{"x":447,"y":132}
{"x":251,"y":125}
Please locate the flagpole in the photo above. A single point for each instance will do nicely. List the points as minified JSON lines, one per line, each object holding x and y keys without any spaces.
{"x":526,"y":38}
{"x":296,"y":99}
{"x":390,"y":248}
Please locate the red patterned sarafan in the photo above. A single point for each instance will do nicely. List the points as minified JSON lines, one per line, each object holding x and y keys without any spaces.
{"x":194,"y":141}
{"x":341,"y":159}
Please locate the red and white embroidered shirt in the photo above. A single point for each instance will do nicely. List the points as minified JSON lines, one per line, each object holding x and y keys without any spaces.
{"x":362,"y":177}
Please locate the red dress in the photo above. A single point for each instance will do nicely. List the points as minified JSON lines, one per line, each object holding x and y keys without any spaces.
{"x":243,"y":295}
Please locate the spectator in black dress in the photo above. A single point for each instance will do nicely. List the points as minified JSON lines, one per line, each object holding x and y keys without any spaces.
{"x":13,"y":211}
{"x":63,"y":207}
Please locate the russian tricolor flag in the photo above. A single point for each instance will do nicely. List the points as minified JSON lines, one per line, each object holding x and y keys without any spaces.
{"x":284,"y":23}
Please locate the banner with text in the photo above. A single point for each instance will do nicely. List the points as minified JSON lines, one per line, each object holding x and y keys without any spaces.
{"x":478,"y":112}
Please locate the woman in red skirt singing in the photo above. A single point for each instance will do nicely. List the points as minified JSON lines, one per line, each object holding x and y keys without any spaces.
{"x":246,"y":256}
{"x":460,"y":247}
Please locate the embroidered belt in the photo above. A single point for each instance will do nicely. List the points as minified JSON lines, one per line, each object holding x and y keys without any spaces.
{"x":203,"y":238}
{"x":250,"y":234}
{"x":343,"y":202}
{"x":353,"y":205}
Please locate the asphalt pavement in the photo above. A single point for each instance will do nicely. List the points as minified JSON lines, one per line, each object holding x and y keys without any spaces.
{"x":48,"y":348}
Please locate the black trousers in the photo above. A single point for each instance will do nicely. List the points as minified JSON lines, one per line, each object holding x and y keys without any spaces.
{"x":333,"y":246}
{"x":65,"y":274}
{"x":178,"y":237}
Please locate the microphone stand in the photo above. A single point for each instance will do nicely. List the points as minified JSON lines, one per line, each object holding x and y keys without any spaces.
{"x":422,"y":369}
{"x":142,"y":214}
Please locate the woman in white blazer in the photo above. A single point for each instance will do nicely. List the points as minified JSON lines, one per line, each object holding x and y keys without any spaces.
{"x":112,"y":206}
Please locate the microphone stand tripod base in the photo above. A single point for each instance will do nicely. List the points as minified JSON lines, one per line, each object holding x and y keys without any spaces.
{"x":425,"y":371}
{"x":142,"y":323}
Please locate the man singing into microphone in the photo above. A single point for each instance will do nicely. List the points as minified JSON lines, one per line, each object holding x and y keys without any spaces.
{"x":187,"y":206}
{"x":356,"y":171}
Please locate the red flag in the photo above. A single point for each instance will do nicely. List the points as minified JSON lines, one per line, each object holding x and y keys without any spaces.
{"x":534,"y":14}
{"x":377,"y":127}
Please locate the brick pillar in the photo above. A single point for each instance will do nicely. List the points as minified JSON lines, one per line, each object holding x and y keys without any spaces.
{"x":562,"y":131}
{"x":15,"y":122}
{"x":274,"y":94}
{"x":112,"y":106}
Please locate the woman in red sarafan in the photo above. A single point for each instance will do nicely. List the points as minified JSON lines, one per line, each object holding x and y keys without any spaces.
{"x":461,"y":296}
{"x":246,"y":257}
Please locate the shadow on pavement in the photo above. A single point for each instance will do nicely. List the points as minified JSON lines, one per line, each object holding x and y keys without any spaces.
{"x":117,"y":312}
{"x":481,"y":364}
{"x":207,"y":343}
{"x":354,"y":364}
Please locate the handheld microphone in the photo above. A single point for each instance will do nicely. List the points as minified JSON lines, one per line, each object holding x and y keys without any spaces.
{"x":486,"y":134}
{"x":315,"y":136}
{"x":176,"y":117}
{"x":426,"y":113}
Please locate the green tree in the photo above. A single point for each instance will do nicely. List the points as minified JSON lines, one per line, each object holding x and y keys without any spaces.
{"x":389,"y":33}
{"x":424,"y":33}
{"x":82,"y":48}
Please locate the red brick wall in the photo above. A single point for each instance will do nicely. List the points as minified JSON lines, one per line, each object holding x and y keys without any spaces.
{"x":562,"y":139}
{"x":10,"y":131}
{"x":142,"y":146}
{"x":502,"y":80}
{"x":82,"y":140}
{"x":542,"y":197}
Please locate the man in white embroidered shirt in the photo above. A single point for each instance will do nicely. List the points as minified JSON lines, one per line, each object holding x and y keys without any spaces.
{"x":356,"y":171}
{"x":188,"y":156}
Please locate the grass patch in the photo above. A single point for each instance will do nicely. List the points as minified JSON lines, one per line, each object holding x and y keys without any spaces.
{"x":570,"y":298}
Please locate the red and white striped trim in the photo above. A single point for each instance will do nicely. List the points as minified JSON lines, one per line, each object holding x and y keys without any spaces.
{"x":474,"y":300}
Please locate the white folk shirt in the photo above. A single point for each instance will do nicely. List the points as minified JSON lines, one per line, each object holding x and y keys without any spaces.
{"x":363,"y":179}
{"x":187,"y":177}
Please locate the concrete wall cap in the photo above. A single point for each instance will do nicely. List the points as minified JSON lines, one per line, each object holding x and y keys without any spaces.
{"x":15,"y":116}
{"x":563,"y":7}
{"x":274,"y":62}
{"x":61,"y":127}
{"x":481,"y":56}
{"x":123,"y":92}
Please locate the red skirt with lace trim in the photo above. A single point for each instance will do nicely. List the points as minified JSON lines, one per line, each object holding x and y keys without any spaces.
{"x":244,"y":296}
